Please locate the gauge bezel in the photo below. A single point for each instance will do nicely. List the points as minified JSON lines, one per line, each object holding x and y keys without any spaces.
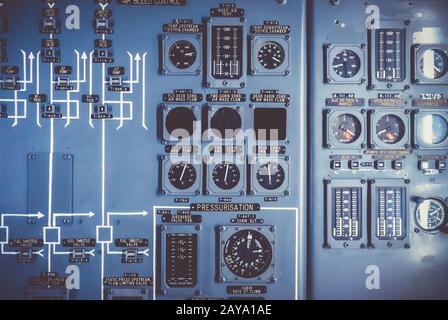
{"x":418,"y":76}
{"x":209,"y":135}
{"x":256,"y":188}
{"x":389,"y":243}
{"x":167,"y":188}
{"x":375,"y":141}
{"x":167,"y":67}
{"x":183,"y":229}
{"x":418,"y":143}
{"x":224,"y":273}
{"x":196,"y":136}
{"x":332,"y":116}
{"x":212,"y":162}
{"x":257,"y":42}
{"x":443,"y":227}
{"x":332,"y":51}
{"x":329,"y":241}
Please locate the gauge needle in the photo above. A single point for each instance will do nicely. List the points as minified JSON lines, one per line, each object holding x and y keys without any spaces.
{"x":338,"y":65}
{"x":183,"y":172}
{"x":227,"y":172}
{"x":349,"y":132}
{"x":269,"y":172}
{"x":381,"y":132}
{"x":189,"y":54}
{"x":249,"y":240}
{"x":438,"y":69}
{"x":275,"y":59}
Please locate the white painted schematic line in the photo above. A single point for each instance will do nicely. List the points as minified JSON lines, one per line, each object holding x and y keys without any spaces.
{"x":144,"y":91}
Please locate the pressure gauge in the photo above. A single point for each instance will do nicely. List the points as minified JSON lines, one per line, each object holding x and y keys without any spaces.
{"x":390,"y":129}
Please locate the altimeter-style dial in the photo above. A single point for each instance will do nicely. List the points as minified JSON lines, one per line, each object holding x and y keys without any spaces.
{"x":248,"y":253}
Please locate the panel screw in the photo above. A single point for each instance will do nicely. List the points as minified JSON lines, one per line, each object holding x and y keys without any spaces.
{"x":407,"y":246}
{"x":362,"y":246}
{"x":243,"y":85}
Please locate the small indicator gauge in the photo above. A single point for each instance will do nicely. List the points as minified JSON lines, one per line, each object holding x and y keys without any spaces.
{"x":181,"y":260}
{"x":432,"y":129}
{"x":434,"y":64}
{"x":390,"y":129}
{"x":182,"y":175}
{"x":225,"y":123}
{"x":226,"y":175}
{"x":431,"y":215}
{"x":391,"y":210}
{"x":390,"y":55}
{"x":227,"y":52}
{"x":180,"y":123}
{"x":347,"y":128}
{"x":346,"y":221}
{"x":346,"y":64}
{"x":271,"y":55}
{"x":248,"y":253}
{"x":182,"y":54}
{"x":271,"y":175}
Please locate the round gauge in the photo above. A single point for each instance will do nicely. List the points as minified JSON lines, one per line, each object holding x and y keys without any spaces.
{"x":182,"y":54}
{"x":271,"y":55}
{"x":346,"y":64}
{"x":432,"y":129}
{"x":248,"y":253}
{"x":434,"y":64}
{"x":431,"y":215}
{"x":180,"y":122}
{"x":226,"y":123}
{"x":271,"y":175}
{"x":226,"y":175}
{"x":182,"y":175}
{"x":390,"y":129}
{"x":346,"y":128}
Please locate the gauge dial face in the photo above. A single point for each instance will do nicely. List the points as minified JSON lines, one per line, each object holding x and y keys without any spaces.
{"x":248,"y":253}
{"x":226,"y":123}
{"x":271,"y":55}
{"x":432,"y":129}
{"x":390,"y":129}
{"x":434,"y":64}
{"x":431,"y":215}
{"x":182,"y":175}
{"x":346,"y":64}
{"x":226,"y":175}
{"x":180,"y":123}
{"x":347,"y":128}
{"x":182,"y":54}
{"x":271,"y":175}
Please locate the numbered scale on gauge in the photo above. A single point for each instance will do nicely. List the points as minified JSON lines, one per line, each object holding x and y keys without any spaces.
{"x":182,"y":54}
{"x":182,"y":175}
{"x":347,"y":128}
{"x":248,"y":253}
{"x":226,"y":175}
{"x":181,"y":259}
{"x":431,"y":215}
{"x":390,"y":55}
{"x":346,"y":213}
{"x":390,"y":129}
{"x":346,"y":64}
{"x":271,"y":55}
{"x":390,"y":220}
{"x":271,"y":175}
